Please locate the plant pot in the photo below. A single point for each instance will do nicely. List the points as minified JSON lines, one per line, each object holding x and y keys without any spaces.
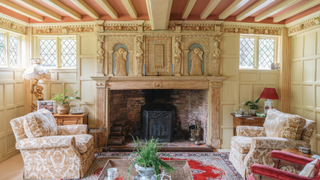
{"x":253,"y":112}
{"x":145,"y":173}
{"x":63,"y":109}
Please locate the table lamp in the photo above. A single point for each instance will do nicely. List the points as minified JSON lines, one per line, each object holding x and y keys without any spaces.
{"x":269,"y":93}
{"x":37,"y":72}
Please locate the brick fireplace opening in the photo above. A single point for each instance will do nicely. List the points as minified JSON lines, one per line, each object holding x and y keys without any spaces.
{"x":125,"y":105}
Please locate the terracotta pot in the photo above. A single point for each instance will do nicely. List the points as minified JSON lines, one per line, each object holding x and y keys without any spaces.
{"x":63,"y":109}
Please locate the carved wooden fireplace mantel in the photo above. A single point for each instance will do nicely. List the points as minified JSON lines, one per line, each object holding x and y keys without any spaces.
{"x":210,"y":83}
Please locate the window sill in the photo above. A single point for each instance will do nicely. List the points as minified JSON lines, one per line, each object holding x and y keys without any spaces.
{"x":249,"y":69}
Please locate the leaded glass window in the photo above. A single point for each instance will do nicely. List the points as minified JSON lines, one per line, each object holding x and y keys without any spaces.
{"x":247,"y":52}
{"x":68,"y":52}
{"x":13,"y":50}
{"x":266,"y":53}
{"x":48,"y":52}
{"x":2,"y":50}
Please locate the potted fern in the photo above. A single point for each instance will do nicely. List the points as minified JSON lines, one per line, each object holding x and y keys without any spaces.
{"x":253,"y":106}
{"x":147,"y":162}
{"x":64,"y":101}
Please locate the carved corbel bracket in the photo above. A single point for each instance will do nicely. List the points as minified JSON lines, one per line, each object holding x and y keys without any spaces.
{"x":101,"y":81}
{"x":215,"y":84}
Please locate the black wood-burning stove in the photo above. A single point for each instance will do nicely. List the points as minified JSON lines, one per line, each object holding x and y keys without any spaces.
{"x":158,"y":116}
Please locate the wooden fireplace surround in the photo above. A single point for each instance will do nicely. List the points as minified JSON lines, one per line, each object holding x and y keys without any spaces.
{"x":210,"y":83}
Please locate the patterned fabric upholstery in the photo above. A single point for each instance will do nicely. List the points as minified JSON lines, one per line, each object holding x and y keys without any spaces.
{"x":247,"y":149}
{"x":54,"y":157}
{"x":72,"y":130}
{"x":31,"y":126}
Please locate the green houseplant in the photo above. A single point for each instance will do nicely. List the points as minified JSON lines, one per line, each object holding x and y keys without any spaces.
{"x":64,"y":101}
{"x":147,"y":162}
{"x":253,"y":106}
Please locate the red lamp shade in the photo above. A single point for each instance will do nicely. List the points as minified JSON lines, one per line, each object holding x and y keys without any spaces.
{"x":269,"y":93}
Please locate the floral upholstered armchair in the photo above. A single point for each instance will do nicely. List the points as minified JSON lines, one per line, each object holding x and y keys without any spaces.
{"x":280,"y":131}
{"x":50,"y":151}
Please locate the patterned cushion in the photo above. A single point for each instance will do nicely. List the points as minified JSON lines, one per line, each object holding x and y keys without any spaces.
{"x":31,"y":127}
{"x":84,"y":142}
{"x":308,"y":130}
{"x":241,"y":143}
{"x":281,"y":125}
{"x":47,"y":123}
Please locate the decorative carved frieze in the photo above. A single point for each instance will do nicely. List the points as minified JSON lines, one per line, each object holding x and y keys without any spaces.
{"x":196,"y":59}
{"x":304,"y":25}
{"x":63,"y":30}
{"x":121,"y":28}
{"x":197,"y":28}
{"x":246,"y":29}
{"x":100,"y":55}
{"x":12,"y":26}
{"x":216,"y":55}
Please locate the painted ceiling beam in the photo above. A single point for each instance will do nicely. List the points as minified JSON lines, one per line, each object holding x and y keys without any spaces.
{"x":35,"y":6}
{"x":188,"y":8}
{"x":130,"y":8}
{"x":210,"y":7}
{"x":18,"y":9}
{"x":108,"y":8}
{"x":296,"y":10}
{"x":159,"y":13}
{"x":86,"y":8}
{"x":63,"y":8}
{"x":232,"y":8}
{"x":274,"y":10}
{"x":253,"y":9}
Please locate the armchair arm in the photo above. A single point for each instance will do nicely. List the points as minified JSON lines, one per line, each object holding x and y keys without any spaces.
{"x":261,"y":172}
{"x":46,"y":142}
{"x":292,"y":158}
{"x":277,"y":143}
{"x":72,"y":129}
{"x":251,"y":131}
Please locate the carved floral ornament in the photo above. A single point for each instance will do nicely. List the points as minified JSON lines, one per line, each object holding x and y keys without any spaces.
{"x":121,"y":58}
{"x":196,"y":60}
{"x":309,"y":23}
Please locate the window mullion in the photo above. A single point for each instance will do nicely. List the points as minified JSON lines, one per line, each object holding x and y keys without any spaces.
{"x":58,"y":52}
{"x":7,"y":49}
{"x":256,"y":52}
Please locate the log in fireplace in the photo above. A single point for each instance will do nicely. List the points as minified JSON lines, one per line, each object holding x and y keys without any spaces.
{"x":158,"y":116}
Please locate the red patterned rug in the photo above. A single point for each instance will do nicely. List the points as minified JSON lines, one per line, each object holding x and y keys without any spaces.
{"x":203,"y":165}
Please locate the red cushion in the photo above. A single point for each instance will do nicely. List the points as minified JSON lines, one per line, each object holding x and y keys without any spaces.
{"x":290,"y":157}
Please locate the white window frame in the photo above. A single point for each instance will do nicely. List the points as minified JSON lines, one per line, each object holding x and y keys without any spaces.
{"x":256,"y":50}
{"x":58,"y":47}
{"x":7,"y":34}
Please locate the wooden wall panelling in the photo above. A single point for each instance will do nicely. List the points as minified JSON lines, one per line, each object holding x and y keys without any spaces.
{"x":305,"y":79}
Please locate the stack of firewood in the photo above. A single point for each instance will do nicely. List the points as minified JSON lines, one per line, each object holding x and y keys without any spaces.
{"x":118,"y":133}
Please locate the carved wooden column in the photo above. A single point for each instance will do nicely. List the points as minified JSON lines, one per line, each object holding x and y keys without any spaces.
{"x":177,"y":55}
{"x":100,"y":115}
{"x":215,"y":115}
{"x":285,"y":72}
{"x":216,"y":55}
{"x":100,"y":55}
{"x":139,"y":56}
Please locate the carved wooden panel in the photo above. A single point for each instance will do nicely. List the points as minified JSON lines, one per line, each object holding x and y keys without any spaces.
{"x":158,"y":56}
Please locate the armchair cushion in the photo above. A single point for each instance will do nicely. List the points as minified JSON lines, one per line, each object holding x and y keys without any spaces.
{"x":241,"y":143}
{"x":251,"y":131}
{"x":275,"y":173}
{"x":281,"y":125}
{"x":83,"y":142}
{"x":31,"y":126}
{"x":277,"y":143}
{"x":308,"y":130}
{"x":72,"y":129}
{"x":46,"y":142}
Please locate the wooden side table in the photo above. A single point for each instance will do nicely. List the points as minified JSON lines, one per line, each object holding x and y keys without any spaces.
{"x":246,"y":121}
{"x":297,"y":152}
{"x":71,"y":119}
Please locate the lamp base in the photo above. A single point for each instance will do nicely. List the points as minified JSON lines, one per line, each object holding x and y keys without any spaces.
{"x":36,"y":90}
{"x":268,"y":104}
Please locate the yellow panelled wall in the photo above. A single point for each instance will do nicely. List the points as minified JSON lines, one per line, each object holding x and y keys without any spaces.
{"x":241,"y":85}
{"x":12,"y":105}
{"x":305,"y":79}
{"x":78,"y":78}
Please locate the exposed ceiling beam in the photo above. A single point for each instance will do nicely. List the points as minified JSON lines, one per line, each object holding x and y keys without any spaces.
{"x":274,"y":10}
{"x":63,"y":8}
{"x":86,"y":8}
{"x":188,"y":8}
{"x":232,"y":8}
{"x":108,"y":8}
{"x":253,"y":9}
{"x":130,"y":8}
{"x":159,"y":13}
{"x":40,"y":9}
{"x":210,"y":7}
{"x":296,"y":10}
{"x":20,"y":10}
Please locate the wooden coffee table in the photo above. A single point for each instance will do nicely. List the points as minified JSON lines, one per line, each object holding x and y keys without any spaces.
{"x":297,"y":152}
{"x":182,"y":169}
